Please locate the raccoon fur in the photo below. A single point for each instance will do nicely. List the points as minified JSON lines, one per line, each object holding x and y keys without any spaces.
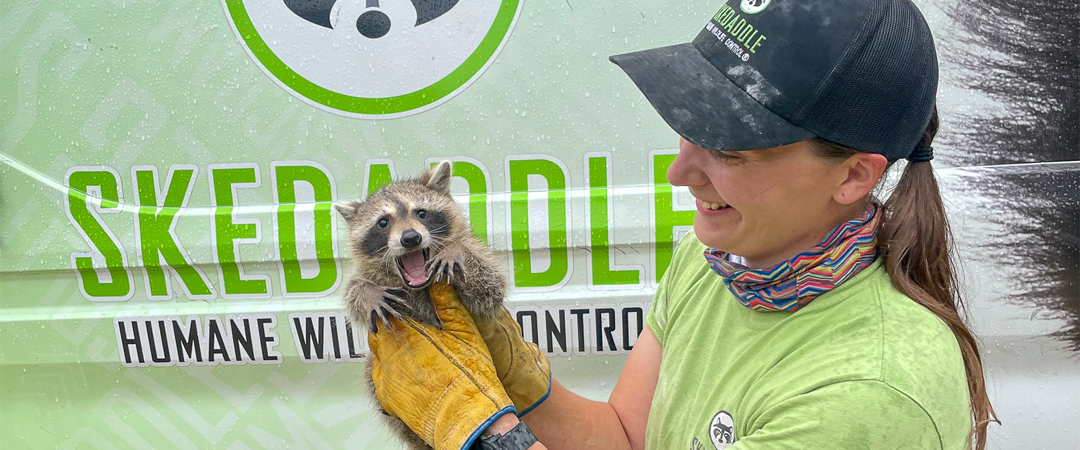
{"x":403,"y":237}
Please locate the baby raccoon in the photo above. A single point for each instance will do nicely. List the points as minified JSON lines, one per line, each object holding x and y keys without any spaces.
{"x":403,"y":237}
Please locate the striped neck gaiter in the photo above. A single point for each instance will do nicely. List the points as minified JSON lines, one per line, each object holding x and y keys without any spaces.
{"x":848,"y":249}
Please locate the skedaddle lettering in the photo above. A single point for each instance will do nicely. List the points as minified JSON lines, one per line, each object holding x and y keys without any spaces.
{"x":145,"y":243}
{"x":738,"y":29}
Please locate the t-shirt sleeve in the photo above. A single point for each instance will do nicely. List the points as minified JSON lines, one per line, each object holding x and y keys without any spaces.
{"x":657,"y":318}
{"x":846,"y":415}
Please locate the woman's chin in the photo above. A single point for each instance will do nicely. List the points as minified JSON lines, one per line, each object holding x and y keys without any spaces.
{"x":713,"y":236}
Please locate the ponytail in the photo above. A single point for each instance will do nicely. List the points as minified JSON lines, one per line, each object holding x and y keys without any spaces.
{"x":915,"y":244}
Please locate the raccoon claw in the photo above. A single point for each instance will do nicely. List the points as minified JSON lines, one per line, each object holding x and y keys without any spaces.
{"x":386,"y":308}
{"x":382,"y":314}
{"x":444,"y":268}
{"x":397,"y":297}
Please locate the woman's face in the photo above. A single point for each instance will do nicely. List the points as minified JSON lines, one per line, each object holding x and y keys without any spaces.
{"x":764,"y":205}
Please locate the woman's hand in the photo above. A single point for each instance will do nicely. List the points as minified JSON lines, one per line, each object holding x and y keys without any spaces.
{"x":441,"y":383}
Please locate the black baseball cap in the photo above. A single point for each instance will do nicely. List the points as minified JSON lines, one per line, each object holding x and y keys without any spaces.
{"x":765,"y":73}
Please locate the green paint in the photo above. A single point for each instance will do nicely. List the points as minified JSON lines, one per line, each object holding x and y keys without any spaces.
{"x":478,"y":196}
{"x":286,"y":178}
{"x":155,"y":240}
{"x":226,"y":231}
{"x":667,"y":218}
{"x":385,"y":105}
{"x":599,"y":229}
{"x":120,"y":285}
{"x":378,"y":175}
{"x":518,"y":172}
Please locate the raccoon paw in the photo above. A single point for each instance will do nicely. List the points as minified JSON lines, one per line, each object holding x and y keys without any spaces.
{"x":445,"y":265}
{"x":385,"y":306}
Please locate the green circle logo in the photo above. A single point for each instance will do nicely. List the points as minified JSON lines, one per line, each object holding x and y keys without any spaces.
{"x":373,"y":59}
{"x":753,"y":6}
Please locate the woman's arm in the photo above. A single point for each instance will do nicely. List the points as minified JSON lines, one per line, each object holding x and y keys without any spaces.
{"x":566,"y":420}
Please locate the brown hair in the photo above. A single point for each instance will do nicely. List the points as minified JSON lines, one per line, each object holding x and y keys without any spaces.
{"x":916,"y":245}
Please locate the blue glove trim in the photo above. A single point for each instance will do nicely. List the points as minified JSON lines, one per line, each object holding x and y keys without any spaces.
{"x":487,"y":423}
{"x":538,"y":402}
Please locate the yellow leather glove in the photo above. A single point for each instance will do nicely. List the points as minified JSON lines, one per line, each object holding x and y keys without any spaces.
{"x":523,"y":369}
{"x":441,"y":383}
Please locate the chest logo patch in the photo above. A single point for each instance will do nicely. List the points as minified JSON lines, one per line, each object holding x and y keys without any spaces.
{"x":722,"y":430}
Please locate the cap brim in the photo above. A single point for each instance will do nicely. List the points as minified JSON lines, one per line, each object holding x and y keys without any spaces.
{"x":701,"y":104}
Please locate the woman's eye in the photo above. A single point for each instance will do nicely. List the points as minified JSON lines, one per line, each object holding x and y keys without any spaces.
{"x":721,"y":155}
{"x":421,"y":213}
{"x":383,"y":223}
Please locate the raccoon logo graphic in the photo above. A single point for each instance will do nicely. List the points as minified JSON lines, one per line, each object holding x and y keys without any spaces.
{"x":373,"y":59}
{"x":373,"y":23}
{"x":753,"y":6}
{"x":722,"y":430}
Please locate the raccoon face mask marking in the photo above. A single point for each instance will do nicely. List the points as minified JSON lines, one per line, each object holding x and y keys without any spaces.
{"x":400,"y":237}
{"x":396,"y":232}
{"x":373,"y":23}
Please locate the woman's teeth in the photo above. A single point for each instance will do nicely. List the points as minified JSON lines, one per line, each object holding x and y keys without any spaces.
{"x":714,"y":206}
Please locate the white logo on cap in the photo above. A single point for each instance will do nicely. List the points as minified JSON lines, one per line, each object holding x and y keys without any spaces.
{"x":754,"y":6}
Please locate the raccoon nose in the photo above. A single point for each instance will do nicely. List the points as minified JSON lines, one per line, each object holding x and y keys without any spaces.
{"x":410,"y":238}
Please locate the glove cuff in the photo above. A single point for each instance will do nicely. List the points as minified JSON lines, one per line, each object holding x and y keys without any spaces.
{"x":487,"y":423}
{"x":538,"y":402}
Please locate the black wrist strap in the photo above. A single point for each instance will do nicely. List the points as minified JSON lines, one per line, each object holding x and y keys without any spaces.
{"x":518,"y":438}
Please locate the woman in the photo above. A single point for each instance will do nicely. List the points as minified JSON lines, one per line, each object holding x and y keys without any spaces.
{"x":836,"y":326}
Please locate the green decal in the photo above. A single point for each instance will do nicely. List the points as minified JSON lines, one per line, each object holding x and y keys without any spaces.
{"x":599,"y":221}
{"x":226,"y":231}
{"x":666,"y":217}
{"x":378,"y":175}
{"x":478,"y":196}
{"x":286,"y":177}
{"x":119,"y":287}
{"x":518,"y":172}
{"x":326,"y":84}
{"x":156,"y":240}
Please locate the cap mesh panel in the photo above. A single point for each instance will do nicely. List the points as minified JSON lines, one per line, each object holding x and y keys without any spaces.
{"x":880,"y":97}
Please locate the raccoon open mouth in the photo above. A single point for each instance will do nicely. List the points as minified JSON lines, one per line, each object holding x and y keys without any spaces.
{"x":411,"y":267}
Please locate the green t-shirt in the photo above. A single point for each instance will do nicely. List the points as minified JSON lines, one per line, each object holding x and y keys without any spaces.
{"x":860,"y":367}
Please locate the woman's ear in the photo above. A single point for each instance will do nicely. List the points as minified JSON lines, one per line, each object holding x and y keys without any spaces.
{"x":864,"y":170}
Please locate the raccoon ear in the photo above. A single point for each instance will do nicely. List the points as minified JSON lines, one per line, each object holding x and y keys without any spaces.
{"x":438,"y":178}
{"x":347,"y":210}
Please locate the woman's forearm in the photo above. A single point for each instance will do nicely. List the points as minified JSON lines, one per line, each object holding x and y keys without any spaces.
{"x":569,"y":421}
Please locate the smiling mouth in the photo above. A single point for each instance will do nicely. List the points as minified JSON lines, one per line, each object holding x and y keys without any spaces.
{"x":411,"y":268}
{"x":713,"y":206}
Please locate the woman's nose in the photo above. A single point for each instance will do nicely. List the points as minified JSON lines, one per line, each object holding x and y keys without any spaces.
{"x":686,"y":169}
